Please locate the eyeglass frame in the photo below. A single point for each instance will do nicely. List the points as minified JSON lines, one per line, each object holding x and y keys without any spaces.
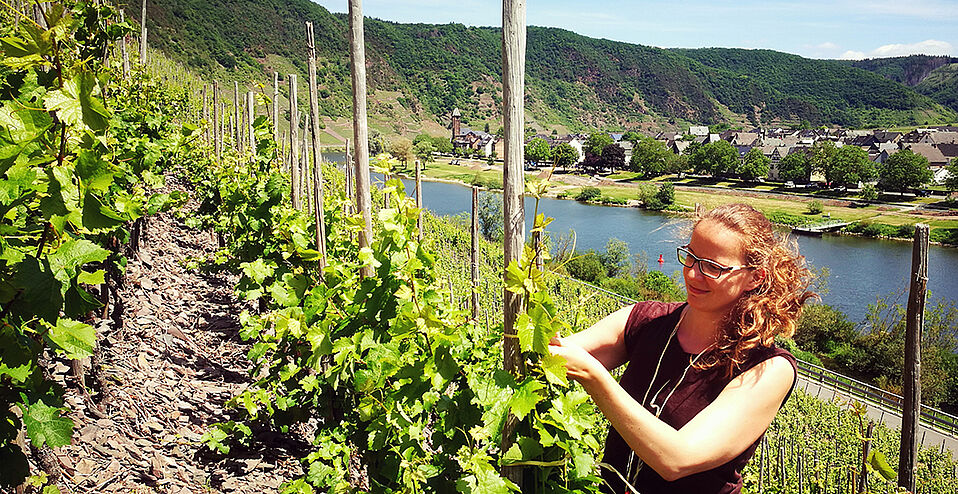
{"x":699,"y":260}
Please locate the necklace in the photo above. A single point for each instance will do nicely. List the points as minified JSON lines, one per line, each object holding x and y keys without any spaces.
{"x":635,"y":461}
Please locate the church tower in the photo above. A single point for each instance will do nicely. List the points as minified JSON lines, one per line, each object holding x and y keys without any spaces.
{"x":456,"y":116}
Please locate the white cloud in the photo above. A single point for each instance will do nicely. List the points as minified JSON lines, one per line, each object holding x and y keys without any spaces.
{"x":927,"y":47}
{"x":852,"y":55}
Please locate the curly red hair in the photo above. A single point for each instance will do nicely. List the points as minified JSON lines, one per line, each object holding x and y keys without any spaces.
{"x":772,"y":308}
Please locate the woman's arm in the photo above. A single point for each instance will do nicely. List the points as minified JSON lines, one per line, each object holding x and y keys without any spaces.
{"x":605,"y":340}
{"x":719,"y":433}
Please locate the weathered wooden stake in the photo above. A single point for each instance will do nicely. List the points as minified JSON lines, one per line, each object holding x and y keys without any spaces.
{"x":513,"y":84}
{"x":419,"y":197}
{"x":276,"y":109}
{"x":475,"y":248}
{"x":123,"y":52}
{"x":318,"y":192}
{"x":866,"y":447}
{"x":143,"y":35}
{"x":305,"y":174}
{"x":357,"y":57}
{"x":217,"y":130}
{"x":251,"y":132}
{"x":294,"y":141}
{"x":349,"y":170}
{"x":914,"y":319}
{"x":236,"y":134}
{"x":206,"y":114}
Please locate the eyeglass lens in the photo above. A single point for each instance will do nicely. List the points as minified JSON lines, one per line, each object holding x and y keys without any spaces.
{"x":708,"y":267}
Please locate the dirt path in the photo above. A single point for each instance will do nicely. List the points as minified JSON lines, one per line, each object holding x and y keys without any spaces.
{"x":161,"y":378}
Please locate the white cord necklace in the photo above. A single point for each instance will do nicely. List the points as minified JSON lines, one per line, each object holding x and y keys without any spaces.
{"x":633,"y":459}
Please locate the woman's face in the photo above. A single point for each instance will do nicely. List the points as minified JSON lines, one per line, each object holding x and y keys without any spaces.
{"x":712,"y":240}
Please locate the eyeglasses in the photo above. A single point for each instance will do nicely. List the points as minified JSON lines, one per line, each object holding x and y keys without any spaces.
{"x":707,"y":267}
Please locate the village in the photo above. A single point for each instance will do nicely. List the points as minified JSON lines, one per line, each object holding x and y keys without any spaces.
{"x":938,"y":145}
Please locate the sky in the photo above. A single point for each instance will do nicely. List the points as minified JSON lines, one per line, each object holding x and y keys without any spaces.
{"x":848,"y":29}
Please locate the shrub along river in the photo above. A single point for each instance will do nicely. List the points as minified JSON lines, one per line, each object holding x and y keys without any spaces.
{"x":862,"y":270}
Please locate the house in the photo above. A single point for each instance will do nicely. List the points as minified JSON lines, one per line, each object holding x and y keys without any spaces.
{"x":465,"y":138}
{"x":939,"y":175}
{"x":942,"y":138}
{"x":950,"y":151}
{"x":744,"y":139}
{"x":678,"y":147}
{"x":575,"y":141}
{"x":699,"y":131}
{"x":934,"y":156}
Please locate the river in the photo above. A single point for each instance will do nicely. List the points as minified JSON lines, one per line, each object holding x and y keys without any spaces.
{"x":862,"y":270}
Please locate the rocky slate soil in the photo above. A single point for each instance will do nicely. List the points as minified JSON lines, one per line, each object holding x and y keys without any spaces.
{"x":162,"y":373}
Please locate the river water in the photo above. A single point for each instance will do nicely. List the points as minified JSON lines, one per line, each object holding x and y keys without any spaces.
{"x":861,"y":270}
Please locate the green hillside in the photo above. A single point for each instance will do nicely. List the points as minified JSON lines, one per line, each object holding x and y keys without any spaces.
{"x":942,"y":85}
{"x":572,"y":80}
{"x":933,"y":76}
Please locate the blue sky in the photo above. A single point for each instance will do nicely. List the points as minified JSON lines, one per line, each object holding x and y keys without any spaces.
{"x":811,"y":28}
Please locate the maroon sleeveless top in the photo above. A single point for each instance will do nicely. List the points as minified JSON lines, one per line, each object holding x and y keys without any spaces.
{"x":647,"y":331}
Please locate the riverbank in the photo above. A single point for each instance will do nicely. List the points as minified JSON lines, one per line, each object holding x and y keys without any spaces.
{"x":777,"y":206}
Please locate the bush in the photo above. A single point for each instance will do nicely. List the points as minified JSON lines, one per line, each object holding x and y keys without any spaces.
{"x":944,"y":235}
{"x":869,"y":192}
{"x":783,"y":218}
{"x":661,"y":286}
{"x":815,"y":207}
{"x":649,"y":195}
{"x":627,"y":287}
{"x":666,"y":193}
{"x":589,"y":194}
{"x":586,"y":267}
{"x":612,"y":200}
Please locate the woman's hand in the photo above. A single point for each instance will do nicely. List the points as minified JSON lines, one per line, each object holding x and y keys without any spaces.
{"x":580,"y":365}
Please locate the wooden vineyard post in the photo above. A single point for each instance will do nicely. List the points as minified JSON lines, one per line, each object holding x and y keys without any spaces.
{"x":236,"y":133}
{"x":304,"y":174}
{"x":348,"y":169}
{"x":123,"y":52}
{"x":475,"y":246}
{"x":217,"y":130}
{"x":294,"y":141}
{"x":143,"y":35}
{"x":419,"y":197}
{"x":357,"y":58}
{"x":251,"y":132}
{"x":866,"y":448}
{"x":276,"y":110}
{"x":206,"y":115}
{"x":914,"y":319}
{"x":513,"y":83}
{"x":318,"y":192}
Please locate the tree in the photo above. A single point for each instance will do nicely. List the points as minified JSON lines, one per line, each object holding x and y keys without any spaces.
{"x":596,"y":143}
{"x":632,"y":136}
{"x":823,"y":159}
{"x":716,"y":158}
{"x":424,"y":150}
{"x":851,"y":165}
{"x":951,"y":181}
{"x":754,"y":165}
{"x":537,"y":150}
{"x":564,"y":155}
{"x":490,"y":215}
{"x":795,"y":167}
{"x":616,"y":258}
{"x":651,"y":158}
{"x":442,"y":144}
{"x":903,"y":170}
{"x":586,"y":267}
{"x":613,"y":157}
{"x":666,"y":193}
{"x":402,"y":150}
{"x":421,"y":137}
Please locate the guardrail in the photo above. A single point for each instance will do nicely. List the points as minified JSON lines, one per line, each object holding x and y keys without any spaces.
{"x":931,"y":417}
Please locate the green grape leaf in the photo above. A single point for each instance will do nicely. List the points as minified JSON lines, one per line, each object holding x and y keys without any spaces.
{"x":95,"y":278}
{"x":289,"y":290}
{"x":525,"y":398}
{"x":258,"y":270}
{"x":543,"y":331}
{"x":878,"y":462}
{"x":46,"y":426}
{"x":67,"y":260}
{"x":526,"y":332}
{"x":515,"y":278}
{"x":75,"y":338}
{"x":40,"y":292}
{"x":97,"y":216}
{"x":94,"y":172}
{"x":553,"y":367}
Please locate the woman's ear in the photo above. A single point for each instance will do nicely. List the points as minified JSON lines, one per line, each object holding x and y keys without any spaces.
{"x":758,"y":279}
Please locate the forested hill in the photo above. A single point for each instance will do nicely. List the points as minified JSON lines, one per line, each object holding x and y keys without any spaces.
{"x":572,"y":80}
{"x":933,"y":76}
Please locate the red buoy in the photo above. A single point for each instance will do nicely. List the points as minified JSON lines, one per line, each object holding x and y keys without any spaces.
{"x":661,"y":261}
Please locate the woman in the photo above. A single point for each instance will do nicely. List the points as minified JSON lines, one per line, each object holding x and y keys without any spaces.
{"x":704,"y":379}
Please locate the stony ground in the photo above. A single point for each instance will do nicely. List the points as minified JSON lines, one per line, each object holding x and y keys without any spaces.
{"x":166,"y":364}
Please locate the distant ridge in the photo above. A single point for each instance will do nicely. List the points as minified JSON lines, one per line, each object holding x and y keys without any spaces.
{"x":572,"y":80}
